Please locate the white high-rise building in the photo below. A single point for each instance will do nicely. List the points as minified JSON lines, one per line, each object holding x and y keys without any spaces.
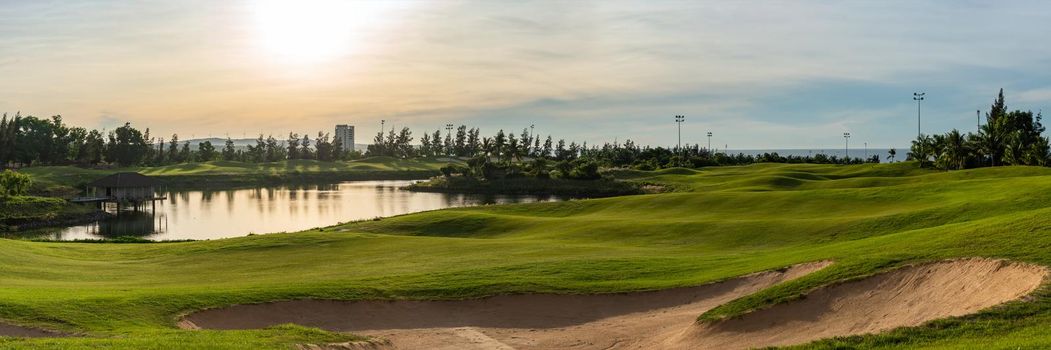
{"x":345,"y":135}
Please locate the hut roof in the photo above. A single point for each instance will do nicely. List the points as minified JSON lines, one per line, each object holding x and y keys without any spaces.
{"x":127,"y":179}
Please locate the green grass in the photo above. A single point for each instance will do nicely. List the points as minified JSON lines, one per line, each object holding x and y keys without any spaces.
{"x":726,"y":222}
{"x":21,"y":209}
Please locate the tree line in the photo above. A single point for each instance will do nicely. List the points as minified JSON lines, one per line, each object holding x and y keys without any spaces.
{"x":1006,"y":138}
{"x":30,"y":141}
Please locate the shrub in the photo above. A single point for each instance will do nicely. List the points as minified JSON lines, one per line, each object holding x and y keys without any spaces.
{"x":14,"y":184}
{"x":585,"y":170}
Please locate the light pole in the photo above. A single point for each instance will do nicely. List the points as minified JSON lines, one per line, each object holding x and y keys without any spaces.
{"x":918,"y":97}
{"x":678,"y":121}
{"x":866,"y":150}
{"x":383,"y":126}
{"x":846,"y":146}
{"x":449,"y":136}
{"x":978,"y":117}
{"x":709,"y":141}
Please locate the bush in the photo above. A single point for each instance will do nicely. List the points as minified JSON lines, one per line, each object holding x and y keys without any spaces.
{"x":14,"y":184}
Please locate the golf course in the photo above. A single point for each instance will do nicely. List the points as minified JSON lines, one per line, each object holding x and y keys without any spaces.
{"x":828,"y":251}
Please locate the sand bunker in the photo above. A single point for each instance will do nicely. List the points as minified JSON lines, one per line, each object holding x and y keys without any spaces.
{"x":8,"y":330}
{"x":908,"y":296}
{"x":505,"y":322}
{"x":659,"y":319}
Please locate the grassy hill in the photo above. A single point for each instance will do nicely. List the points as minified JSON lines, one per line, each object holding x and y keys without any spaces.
{"x":726,"y":222}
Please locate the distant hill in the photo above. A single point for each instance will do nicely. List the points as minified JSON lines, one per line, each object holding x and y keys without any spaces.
{"x":243,"y":144}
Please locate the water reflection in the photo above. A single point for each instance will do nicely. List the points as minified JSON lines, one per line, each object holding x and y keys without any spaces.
{"x":230,"y":213}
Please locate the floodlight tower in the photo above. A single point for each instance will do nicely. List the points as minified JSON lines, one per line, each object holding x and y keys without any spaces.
{"x":679,"y":119}
{"x":449,"y":136}
{"x":918,"y":97}
{"x":978,"y":115}
{"x":846,"y":145}
{"x":709,"y":141}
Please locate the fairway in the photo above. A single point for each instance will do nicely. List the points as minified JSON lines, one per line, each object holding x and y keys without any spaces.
{"x":722,"y":223}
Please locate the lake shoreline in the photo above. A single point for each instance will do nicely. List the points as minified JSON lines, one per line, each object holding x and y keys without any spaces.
{"x":600,"y":188}
{"x":240,"y":181}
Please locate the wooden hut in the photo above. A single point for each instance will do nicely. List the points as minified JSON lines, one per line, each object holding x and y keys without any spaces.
{"x":123,"y":189}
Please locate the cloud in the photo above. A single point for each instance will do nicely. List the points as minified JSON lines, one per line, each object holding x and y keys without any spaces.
{"x":763,"y":75}
{"x":1042,"y":96}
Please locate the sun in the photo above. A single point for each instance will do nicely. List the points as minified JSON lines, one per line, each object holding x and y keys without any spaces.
{"x":310,"y":31}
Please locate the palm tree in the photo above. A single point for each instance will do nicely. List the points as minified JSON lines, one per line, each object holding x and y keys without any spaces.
{"x":487,"y":146}
{"x":891,"y":153}
{"x":992,"y":143}
{"x":1038,"y":151}
{"x":921,"y":149}
{"x":953,"y":151}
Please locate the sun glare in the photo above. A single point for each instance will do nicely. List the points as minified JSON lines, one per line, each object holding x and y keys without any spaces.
{"x":310,"y":31}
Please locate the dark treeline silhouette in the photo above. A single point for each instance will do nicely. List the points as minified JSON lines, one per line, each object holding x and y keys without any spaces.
{"x":1006,"y":138}
{"x":28,"y":140}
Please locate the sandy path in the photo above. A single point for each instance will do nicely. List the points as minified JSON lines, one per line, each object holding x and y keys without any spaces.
{"x":905,"y":297}
{"x":603,"y":321}
{"x":8,"y":330}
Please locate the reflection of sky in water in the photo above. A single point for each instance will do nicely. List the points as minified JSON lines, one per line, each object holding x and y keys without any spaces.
{"x":230,"y":213}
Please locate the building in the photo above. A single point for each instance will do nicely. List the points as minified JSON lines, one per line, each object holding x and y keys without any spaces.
{"x":123,"y":189}
{"x":345,"y":135}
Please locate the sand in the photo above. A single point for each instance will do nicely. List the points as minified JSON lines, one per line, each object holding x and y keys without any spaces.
{"x":663,"y":319}
{"x":538,"y":321}
{"x":9,"y":330}
{"x":904,"y":297}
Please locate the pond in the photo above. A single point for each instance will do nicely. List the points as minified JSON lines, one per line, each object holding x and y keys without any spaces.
{"x":212,"y":214}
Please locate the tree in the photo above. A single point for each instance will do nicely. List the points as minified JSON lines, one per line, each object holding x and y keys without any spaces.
{"x":487,"y":147}
{"x":460,"y":145}
{"x":205,"y":151}
{"x":14,"y":184}
{"x":891,"y":154}
{"x":377,"y":147}
{"x":448,"y":148}
{"x":323,"y":147}
{"x":93,"y":146}
{"x":920,"y":150}
{"x":305,"y":152}
{"x":548,"y":147}
{"x":161,"y":154}
{"x":274,"y":151}
{"x":953,"y":151}
{"x":126,"y":146}
{"x":293,"y":145}
{"x":436,"y":143}
{"x":173,"y":149}
{"x":229,"y":152}
{"x":500,"y":143}
{"x":403,"y":143}
{"x":425,"y":145}
{"x":473,"y":142}
{"x":525,"y":143}
{"x":184,"y":153}
{"x":511,"y":149}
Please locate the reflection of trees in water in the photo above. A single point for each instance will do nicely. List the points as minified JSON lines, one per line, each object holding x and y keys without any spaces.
{"x":202,"y":213}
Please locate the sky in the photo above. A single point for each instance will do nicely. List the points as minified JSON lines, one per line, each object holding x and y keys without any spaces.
{"x":757,"y":74}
